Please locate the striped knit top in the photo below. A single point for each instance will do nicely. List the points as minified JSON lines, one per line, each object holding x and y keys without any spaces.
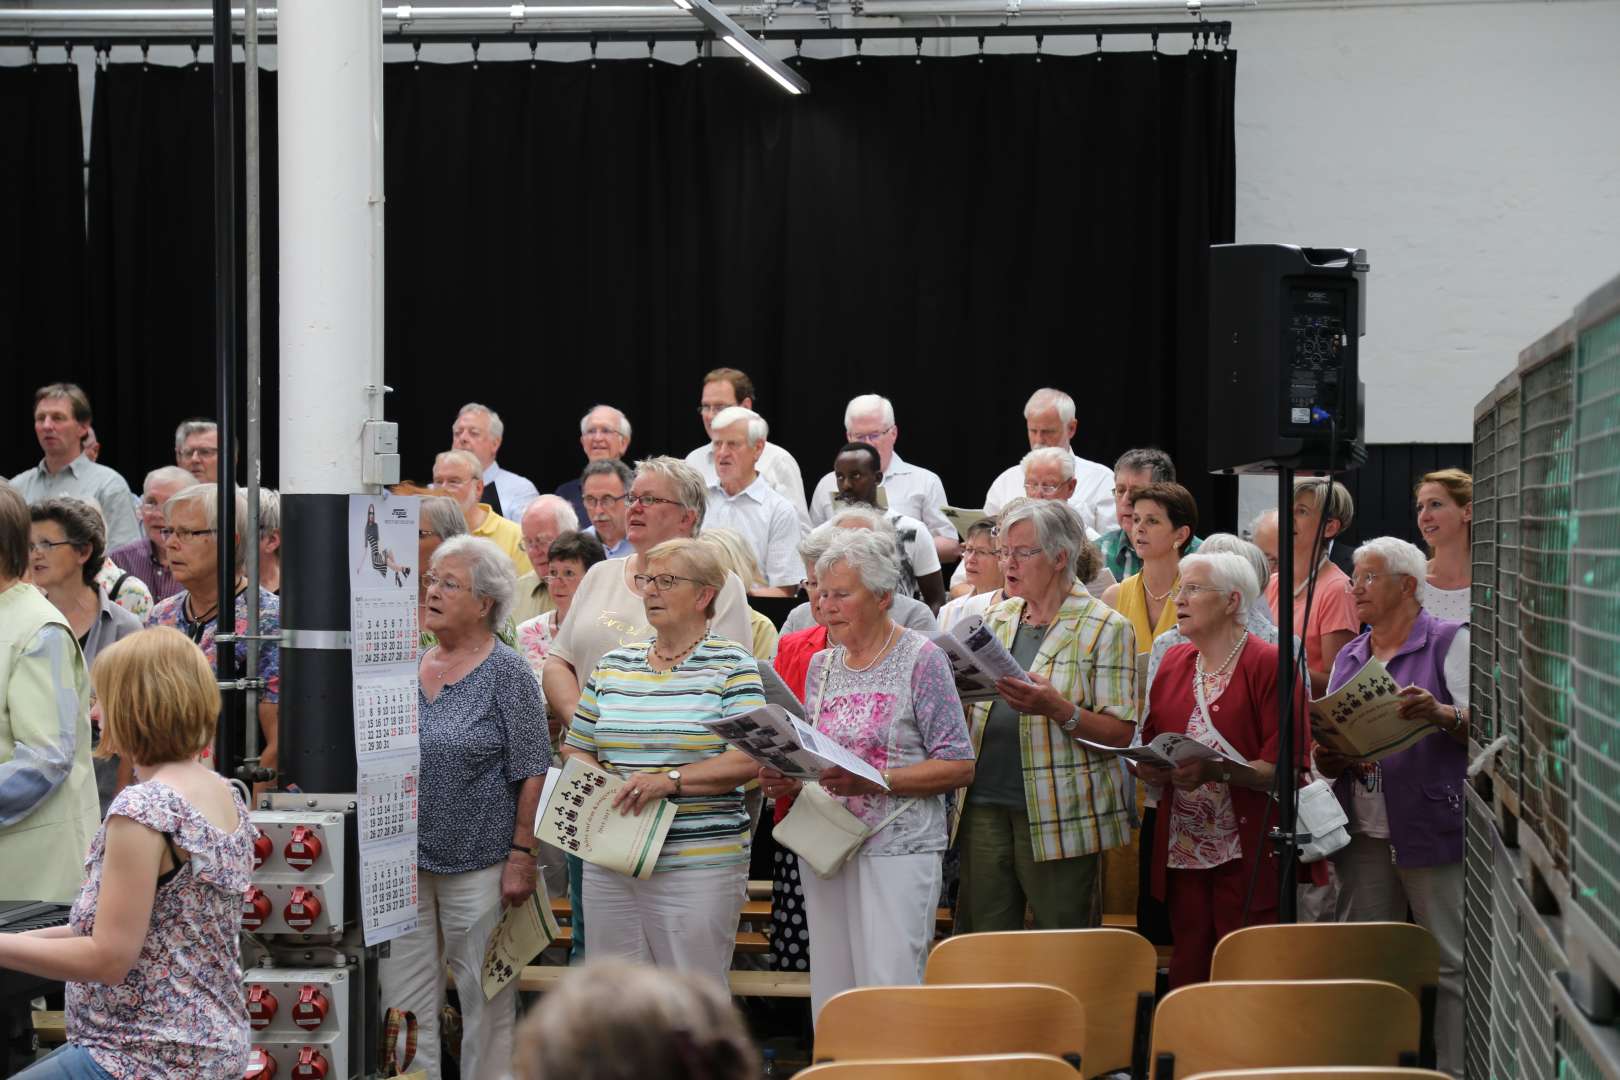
{"x":635,"y":719}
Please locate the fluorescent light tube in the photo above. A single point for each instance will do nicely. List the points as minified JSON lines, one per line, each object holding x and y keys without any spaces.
{"x":749,"y":55}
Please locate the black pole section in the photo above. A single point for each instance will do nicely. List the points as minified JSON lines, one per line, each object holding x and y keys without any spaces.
{"x":229,"y":741}
{"x":317,"y":679}
{"x":1283,"y":838}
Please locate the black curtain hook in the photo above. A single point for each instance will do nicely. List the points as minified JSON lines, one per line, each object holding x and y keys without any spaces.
{"x":1155,"y":45}
{"x":146,"y":49}
{"x":981,"y":48}
{"x":1039,"y":38}
{"x":68,"y":45}
{"x":1099,"y":46}
{"x":857,"y":50}
{"x":475,"y":53}
{"x":918,"y":40}
{"x":196,"y":53}
{"x":416,"y":56}
{"x":534,"y":45}
{"x":593,"y":54}
{"x":652,"y":43}
{"x":33,"y":54}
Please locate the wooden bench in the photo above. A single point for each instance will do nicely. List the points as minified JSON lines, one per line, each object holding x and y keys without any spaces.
{"x":771,"y":984}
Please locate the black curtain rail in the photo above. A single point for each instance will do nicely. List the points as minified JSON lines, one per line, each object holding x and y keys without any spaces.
{"x":1216,"y":32}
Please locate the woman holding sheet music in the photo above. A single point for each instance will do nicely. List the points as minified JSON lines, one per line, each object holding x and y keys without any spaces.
{"x":887,"y":694}
{"x":1406,"y":812}
{"x":639,"y":716}
{"x":1210,"y":830}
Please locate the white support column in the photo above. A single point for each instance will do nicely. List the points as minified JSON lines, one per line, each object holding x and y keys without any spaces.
{"x":330,"y":140}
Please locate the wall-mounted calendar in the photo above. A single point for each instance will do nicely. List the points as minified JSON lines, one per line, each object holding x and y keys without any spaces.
{"x":383,"y":582}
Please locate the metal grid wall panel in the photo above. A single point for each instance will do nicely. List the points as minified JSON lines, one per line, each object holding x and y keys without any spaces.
{"x":1546,"y":439}
{"x":1482,"y":649}
{"x":1506,"y":667}
{"x":1505,"y":974}
{"x":1541,"y":962}
{"x":1595,"y":613}
{"x":1478,"y":874}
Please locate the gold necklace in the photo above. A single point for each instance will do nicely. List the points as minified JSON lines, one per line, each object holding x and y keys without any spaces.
{"x":1158,"y":598}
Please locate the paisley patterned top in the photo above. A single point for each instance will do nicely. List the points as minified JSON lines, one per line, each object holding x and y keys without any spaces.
{"x":180,"y":1011}
{"x":901,"y":711}
{"x":1203,"y":824}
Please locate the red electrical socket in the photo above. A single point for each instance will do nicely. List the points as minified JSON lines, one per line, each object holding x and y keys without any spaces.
{"x":311,"y":1008}
{"x":255,"y":908}
{"x":311,"y":1064}
{"x":303,"y":849}
{"x":262,"y":847}
{"x":303,"y":908}
{"x":261,"y":1007}
{"x":260,"y":1066}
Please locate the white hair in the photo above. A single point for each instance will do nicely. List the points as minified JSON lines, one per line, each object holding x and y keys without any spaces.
{"x":866,"y":405}
{"x":461,"y":457}
{"x":562,"y":511}
{"x":757,"y":429}
{"x":167,"y":474}
{"x":867,"y":516}
{"x":188,"y":428}
{"x":496,"y":428}
{"x":1048,"y":398}
{"x":492,"y":575}
{"x":1400,"y":557}
{"x":1227,"y":544}
{"x":624,"y":421}
{"x":1228,"y":572}
{"x":872,"y":555}
{"x":815,"y":543}
{"x":441,"y":515}
{"x":1051,"y":455}
{"x":1263,"y":518}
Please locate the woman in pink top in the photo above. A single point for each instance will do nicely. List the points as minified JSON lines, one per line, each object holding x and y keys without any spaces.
{"x":1333,"y":619}
{"x":150,"y":950}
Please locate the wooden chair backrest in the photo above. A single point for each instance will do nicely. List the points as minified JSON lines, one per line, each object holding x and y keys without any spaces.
{"x":950,"y":1021}
{"x":1105,"y":970}
{"x":1327,"y":1073}
{"x":1231,"y":1025}
{"x":1393,"y":952}
{"x":976,"y":1067}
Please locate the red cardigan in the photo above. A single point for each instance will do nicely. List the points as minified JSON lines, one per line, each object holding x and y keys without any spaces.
{"x":1246,"y":715}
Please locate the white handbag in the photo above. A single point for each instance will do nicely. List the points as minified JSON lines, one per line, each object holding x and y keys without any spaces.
{"x":818,"y":829}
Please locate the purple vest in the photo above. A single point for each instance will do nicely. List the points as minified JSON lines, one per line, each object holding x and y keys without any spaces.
{"x":1423,"y":784}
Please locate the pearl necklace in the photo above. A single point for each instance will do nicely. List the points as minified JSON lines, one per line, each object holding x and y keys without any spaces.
{"x":1198,"y":664}
{"x":894,"y":627}
{"x":1159,"y":598}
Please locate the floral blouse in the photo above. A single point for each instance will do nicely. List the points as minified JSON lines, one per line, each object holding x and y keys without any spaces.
{"x":180,"y":1012}
{"x":1203,"y":824}
{"x":534,"y":639}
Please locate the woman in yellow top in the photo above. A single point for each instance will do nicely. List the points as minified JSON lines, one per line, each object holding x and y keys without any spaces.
{"x":1166,"y":517}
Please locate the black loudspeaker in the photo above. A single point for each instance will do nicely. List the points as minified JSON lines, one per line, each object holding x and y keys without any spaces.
{"x":1284,"y":383}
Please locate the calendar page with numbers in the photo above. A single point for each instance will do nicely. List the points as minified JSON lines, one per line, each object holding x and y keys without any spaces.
{"x":383,"y":587}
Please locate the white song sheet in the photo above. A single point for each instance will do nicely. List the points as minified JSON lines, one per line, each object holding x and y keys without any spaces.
{"x":977,"y":659}
{"x":776,"y":738}
{"x":383,"y":576}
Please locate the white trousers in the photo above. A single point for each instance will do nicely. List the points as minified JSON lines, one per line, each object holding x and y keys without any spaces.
{"x":870,"y":924}
{"x":1373,"y":889}
{"x":685,"y":919}
{"x":456,"y":913}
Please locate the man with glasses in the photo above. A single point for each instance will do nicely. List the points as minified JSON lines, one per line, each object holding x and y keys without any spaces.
{"x":61,"y":419}
{"x":909,"y":489}
{"x":144,"y":558}
{"x":604,"y":435}
{"x":1049,"y":422}
{"x":196,"y":449}
{"x":741,"y":500}
{"x":478,"y":429}
{"x":459,"y":474}
{"x":191,"y":547}
{"x":545,"y":519}
{"x":604,"y":484}
{"x":722,"y":389}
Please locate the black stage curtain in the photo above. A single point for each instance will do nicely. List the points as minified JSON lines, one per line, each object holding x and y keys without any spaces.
{"x":41,"y":245}
{"x":951,"y":233}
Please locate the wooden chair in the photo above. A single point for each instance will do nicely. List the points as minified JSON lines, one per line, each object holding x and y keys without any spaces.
{"x":1110,"y":972}
{"x":1328,"y":1073}
{"x":1231,"y":1025}
{"x":1393,"y":952}
{"x":948,"y":1021}
{"x":977,"y":1067}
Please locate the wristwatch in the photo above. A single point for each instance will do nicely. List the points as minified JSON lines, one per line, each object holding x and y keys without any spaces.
{"x":1073,"y":721}
{"x":675,"y":778}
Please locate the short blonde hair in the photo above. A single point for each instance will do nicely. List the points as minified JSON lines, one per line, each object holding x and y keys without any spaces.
{"x":734,"y":554}
{"x":612,"y":1019}
{"x":696,"y":561}
{"x":158,"y":696}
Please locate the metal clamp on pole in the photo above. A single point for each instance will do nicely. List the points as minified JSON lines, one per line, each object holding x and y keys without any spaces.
{"x":243,"y":684}
{"x":277,"y":638}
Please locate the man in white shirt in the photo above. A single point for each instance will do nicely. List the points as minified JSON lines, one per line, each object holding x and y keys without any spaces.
{"x":605,"y":484}
{"x":1049,"y":420}
{"x":856,"y":467}
{"x":478,"y":428}
{"x":61,"y":417}
{"x":910,"y":489}
{"x":741,"y":500}
{"x":723,"y":388}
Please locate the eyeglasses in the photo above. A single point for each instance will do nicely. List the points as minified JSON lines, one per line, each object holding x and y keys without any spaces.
{"x":1364,"y":581}
{"x":1190,"y":590}
{"x":569,"y":574}
{"x":664,"y":582}
{"x":203,"y":452}
{"x":601,"y":431}
{"x":868,"y":436}
{"x":443,"y":584}
{"x":423,"y":534}
{"x":40,"y":547}
{"x":184,"y":535}
{"x":454,"y":482}
{"x":992,"y":553}
{"x":648,"y":501}
{"x":1018,"y":555}
{"x":540,"y":543}
{"x":149,"y":503}
{"x":602,"y":502}
{"x":1044,"y":490}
